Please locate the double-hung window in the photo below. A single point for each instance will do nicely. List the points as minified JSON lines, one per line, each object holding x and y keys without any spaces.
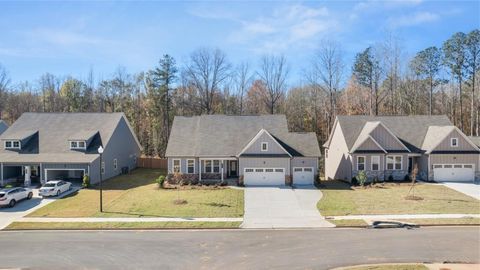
{"x":394,"y":162}
{"x":216,"y":166}
{"x":190,"y":166}
{"x":375,"y":163}
{"x":212,"y":166}
{"x":176,"y":165}
{"x":77,"y":145}
{"x":454,"y":142}
{"x":360,"y":163}
{"x":264,"y":146}
{"x":12,"y":145}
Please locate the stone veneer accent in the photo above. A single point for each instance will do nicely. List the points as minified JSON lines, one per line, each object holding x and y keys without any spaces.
{"x":383,"y":175}
{"x":288,"y":180}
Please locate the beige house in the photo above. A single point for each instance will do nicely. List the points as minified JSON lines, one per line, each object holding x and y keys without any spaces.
{"x":256,"y":150}
{"x":390,"y":147}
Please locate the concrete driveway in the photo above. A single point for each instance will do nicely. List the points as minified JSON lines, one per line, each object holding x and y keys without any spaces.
{"x":469,"y":189}
{"x":283,"y":207}
{"x":25,"y":207}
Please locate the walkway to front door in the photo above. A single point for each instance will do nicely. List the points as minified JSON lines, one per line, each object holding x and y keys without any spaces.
{"x":282,"y":207}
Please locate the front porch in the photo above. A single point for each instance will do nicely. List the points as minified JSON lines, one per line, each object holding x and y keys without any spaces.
{"x":20,"y":174}
{"x":215,"y":170}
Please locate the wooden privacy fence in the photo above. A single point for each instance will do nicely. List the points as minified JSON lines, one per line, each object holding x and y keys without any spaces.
{"x":152,"y":163}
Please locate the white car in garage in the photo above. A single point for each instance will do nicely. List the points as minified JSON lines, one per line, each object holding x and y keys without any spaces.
{"x":54,"y":188}
{"x":10,"y":196}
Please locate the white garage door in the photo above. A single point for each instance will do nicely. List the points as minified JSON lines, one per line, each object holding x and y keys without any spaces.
{"x":453,"y":172}
{"x":264,"y":177}
{"x":302,"y":176}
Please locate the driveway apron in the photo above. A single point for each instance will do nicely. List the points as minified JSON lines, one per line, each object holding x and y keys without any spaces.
{"x":469,"y":189}
{"x":283,"y":207}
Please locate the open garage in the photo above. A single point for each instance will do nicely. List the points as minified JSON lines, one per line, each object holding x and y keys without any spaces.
{"x":64,"y":174}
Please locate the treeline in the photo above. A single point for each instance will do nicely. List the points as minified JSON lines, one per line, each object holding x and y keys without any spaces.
{"x":383,"y":80}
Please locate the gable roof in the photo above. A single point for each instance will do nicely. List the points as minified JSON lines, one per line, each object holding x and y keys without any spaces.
{"x":435,"y":135}
{"x":227,"y":135}
{"x":3,"y":126}
{"x":254,"y":139}
{"x":475,"y":140}
{"x":50,"y":143}
{"x":410,"y":130}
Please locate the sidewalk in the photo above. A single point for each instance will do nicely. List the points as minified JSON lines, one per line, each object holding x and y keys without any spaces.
{"x":126,"y":219}
{"x":415,"y":216}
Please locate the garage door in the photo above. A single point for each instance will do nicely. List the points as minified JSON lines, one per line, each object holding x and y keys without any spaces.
{"x":453,"y":172}
{"x":303,"y":176}
{"x":264,"y":177}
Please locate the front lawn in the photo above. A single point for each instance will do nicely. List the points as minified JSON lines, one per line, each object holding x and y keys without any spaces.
{"x":120,"y":225}
{"x":389,"y":267}
{"x":340,"y":199}
{"x":136,"y":195}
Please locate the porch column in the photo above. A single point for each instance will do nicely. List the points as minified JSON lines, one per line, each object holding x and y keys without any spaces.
{"x":199,"y":170}
{"x":222,"y":169}
{"x":1,"y":174}
{"x":41,"y":173}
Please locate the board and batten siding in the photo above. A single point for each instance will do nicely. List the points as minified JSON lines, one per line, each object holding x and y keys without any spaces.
{"x":385,"y":139}
{"x":305,"y":162}
{"x":337,"y":159}
{"x":463,"y":144}
{"x":264,"y":163}
{"x":369,"y":144}
{"x":455,"y":159}
{"x":273,"y":146}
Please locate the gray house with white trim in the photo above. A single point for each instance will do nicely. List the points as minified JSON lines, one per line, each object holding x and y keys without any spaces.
{"x":45,"y":146}
{"x":390,"y":147}
{"x":256,"y":150}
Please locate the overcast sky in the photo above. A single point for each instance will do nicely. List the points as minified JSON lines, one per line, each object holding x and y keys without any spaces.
{"x":73,"y":37}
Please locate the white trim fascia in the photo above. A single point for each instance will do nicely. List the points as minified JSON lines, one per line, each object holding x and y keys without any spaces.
{"x":257,"y":136}
{"x":396,"y":138}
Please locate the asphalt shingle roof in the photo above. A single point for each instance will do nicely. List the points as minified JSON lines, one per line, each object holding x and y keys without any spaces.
{"x":411,"y":130}
{"x":227,"y":135}
{"x":50,"y":144}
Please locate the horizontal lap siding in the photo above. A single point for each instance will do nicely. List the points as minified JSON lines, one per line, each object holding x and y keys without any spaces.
{"x":265,"y":163}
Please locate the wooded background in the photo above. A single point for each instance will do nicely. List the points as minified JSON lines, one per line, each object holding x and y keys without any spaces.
{"x":384,"y":79}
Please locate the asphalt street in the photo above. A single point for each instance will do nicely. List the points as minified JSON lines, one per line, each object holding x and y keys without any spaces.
{"x":236,"y":249}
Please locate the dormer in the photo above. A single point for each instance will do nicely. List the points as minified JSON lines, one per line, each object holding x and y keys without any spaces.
{"x":17,"y":140}
{"x":81,"y":140}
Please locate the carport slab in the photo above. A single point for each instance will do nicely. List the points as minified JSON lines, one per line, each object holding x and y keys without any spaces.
{"x":283,"y":207}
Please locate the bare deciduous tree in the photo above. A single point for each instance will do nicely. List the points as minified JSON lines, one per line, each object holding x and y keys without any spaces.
{"x":273,"y":72}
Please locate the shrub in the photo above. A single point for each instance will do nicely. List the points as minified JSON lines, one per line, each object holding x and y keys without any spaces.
{"x":160,"y":180}
{"x":86,"y":181}
{"x":362,"y":178}
{"x":390,"y":177}
{"x":354,"y":181}
{"x":407,"y":177}
{"x":375,"y":180}
{"x":8,"y":186}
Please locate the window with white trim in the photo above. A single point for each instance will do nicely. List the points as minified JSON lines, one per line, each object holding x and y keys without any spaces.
{"x":454,"y":142}
{"x":216,"y":166}
{"x":190,"y":166}
{"x":78,"y":145}
{"x":208,"y":166}
{"x":375,"y":163}
{"x":12,"y":144}
{"x":212,"y":166}
{"x":264,"y":146}
{"x":360,"y":163}
{"x":115,"y":164}
{"x":176,"y":165}
{"x":394,"y":162}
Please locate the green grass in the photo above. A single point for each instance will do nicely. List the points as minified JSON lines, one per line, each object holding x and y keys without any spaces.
{"x":120,"y":225}
{"x":349,"y":222}
{"x":136,"y":195}
{"x":340,"y":199}
{"x":389,"y":267}
{"x":444,"y":221}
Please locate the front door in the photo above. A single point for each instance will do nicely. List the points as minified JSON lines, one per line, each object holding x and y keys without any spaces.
{"x":233,"y":168}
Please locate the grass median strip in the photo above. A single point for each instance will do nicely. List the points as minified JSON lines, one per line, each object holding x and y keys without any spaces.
{"x":137,"y":195}
{"x":340,"y":199}
{"x":120,"y":225}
